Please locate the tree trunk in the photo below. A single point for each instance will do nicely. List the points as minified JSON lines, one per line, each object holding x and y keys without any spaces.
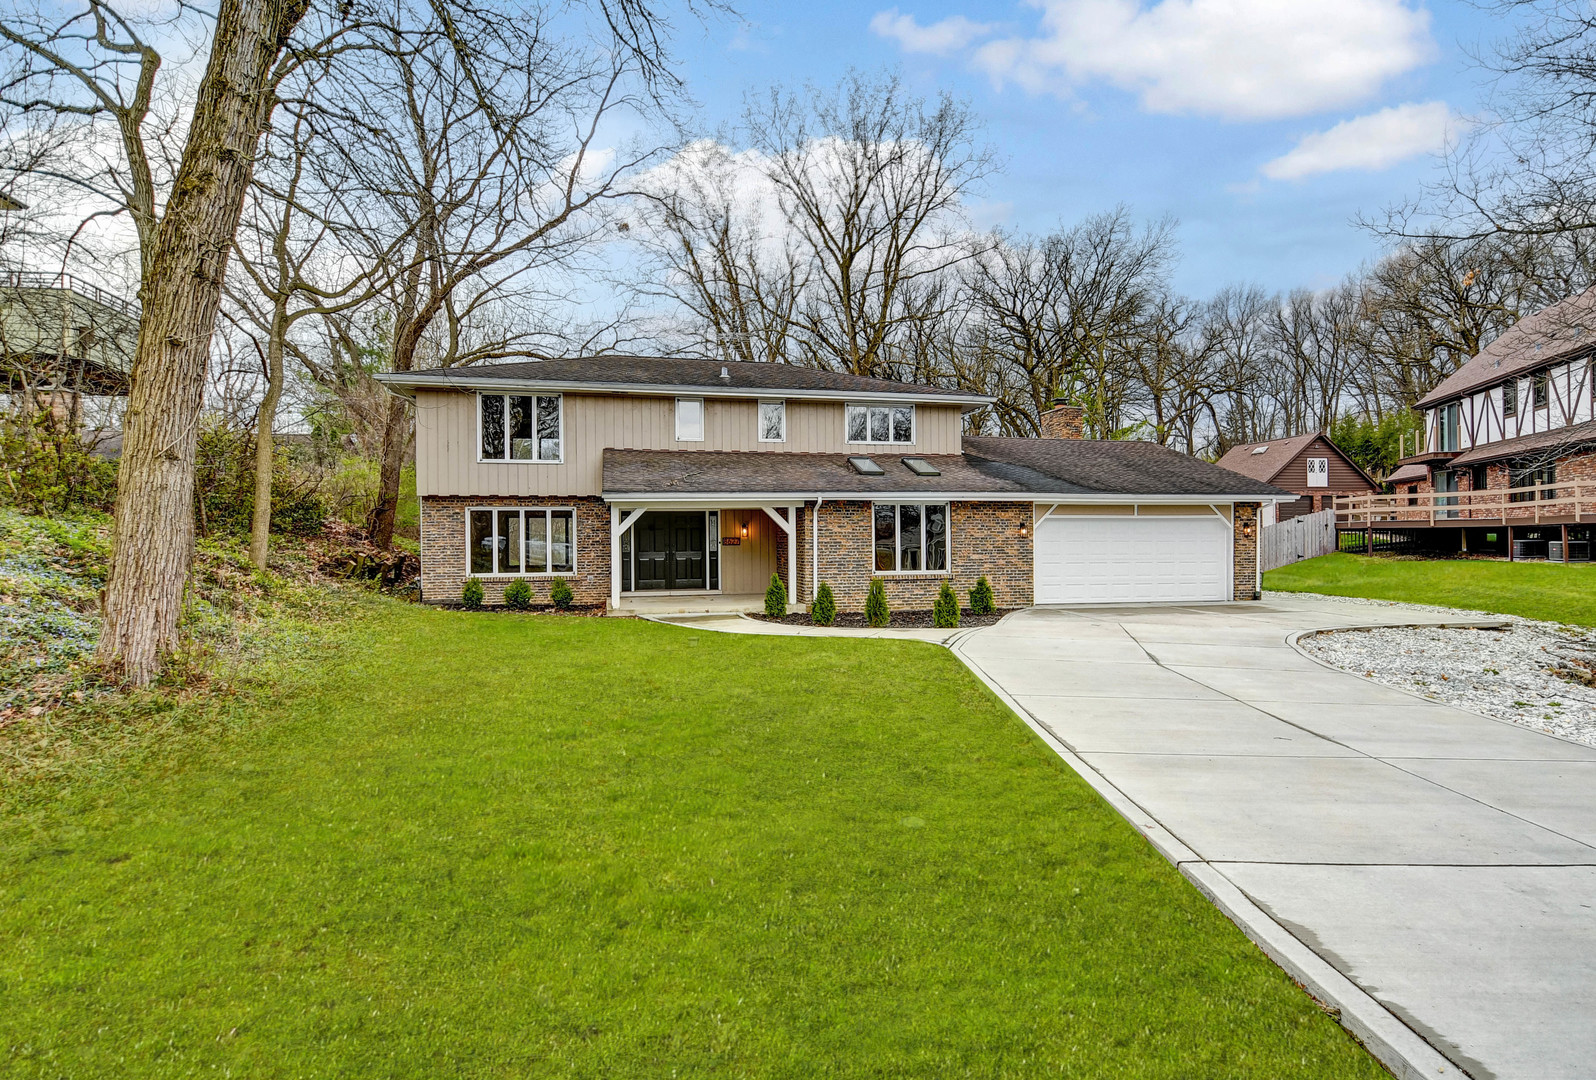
{"x":180,"y":294}
{"x":260,"y":525}
{"x":395,"y":441}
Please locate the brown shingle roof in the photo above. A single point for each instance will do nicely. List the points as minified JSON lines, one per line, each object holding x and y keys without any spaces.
{"x":1570,"y":437}
{"x":1554,"y":333}
{"x":1277,"y":454}
{"x":994,"y":466}
{"x":664,"y":373}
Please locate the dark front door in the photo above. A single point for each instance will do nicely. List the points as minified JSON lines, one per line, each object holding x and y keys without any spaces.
{"x":669,"y":550}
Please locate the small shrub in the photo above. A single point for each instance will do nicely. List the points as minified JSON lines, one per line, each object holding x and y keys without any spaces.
{"x":776,"y":598}
{"x":518,"y":594}
{"x":471,"y":595}
{"x":982,"y":602}
{"x":560,"y":593}
{"x":945,"y":613}
{"x":823,"y":612}
{"x":876,"y":611}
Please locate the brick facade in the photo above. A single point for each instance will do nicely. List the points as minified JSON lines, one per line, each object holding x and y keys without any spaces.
{"x":1244,"y":579}
{"x":985,"y":538}
{"x":443,"y":549}
{"x":1581,"y":466}
{"x":990,"y":538}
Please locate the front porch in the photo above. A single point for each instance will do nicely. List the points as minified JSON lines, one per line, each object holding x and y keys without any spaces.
{"x":715,"y":555}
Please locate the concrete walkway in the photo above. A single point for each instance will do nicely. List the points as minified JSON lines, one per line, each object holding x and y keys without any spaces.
{"x":1429,"y":871}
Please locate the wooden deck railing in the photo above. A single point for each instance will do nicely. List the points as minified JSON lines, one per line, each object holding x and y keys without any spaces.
{"x":1562,"y":501}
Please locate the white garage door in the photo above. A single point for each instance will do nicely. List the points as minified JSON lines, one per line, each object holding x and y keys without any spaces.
{"x":1125,"y":560}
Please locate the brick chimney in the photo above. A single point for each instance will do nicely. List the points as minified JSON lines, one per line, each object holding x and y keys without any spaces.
{"x":1064,"y":421}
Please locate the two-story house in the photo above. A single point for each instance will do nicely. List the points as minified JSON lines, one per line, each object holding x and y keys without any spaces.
{"x":1509,"y":458}
{"x":638,"y":478}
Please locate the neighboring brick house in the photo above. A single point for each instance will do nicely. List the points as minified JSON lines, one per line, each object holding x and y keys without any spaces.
{"x":1509,"y":457}
{"x":1310,"y":465}
{"x":648,"y":482}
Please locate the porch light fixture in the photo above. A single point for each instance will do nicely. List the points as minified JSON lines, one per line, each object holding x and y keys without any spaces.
{"x":866,"y":466}
{"x":1246,"y":530}
{"x":1024,"y":531}
{"x":745,"y":528}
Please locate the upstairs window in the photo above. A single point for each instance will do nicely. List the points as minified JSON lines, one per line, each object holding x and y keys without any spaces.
{"x":517,"y":427}
{"x":1318,"y":472}
{"x":772,"y":421}
{"x":1538,"y":387}
{"x":689,"y":419}
{"x":1510,"y":398}
{"x":880,"y":423}
{"x":1446,"y":421}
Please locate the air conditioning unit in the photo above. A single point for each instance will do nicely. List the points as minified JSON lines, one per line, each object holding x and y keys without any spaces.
{"x":1531,"y":549}
{"x":1578,"y":550}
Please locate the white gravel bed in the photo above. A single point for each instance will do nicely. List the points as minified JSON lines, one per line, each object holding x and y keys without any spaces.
{"x":1501,"y":673}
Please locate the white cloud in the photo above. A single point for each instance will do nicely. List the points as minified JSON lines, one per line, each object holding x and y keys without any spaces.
{"x":1376,"y":141}
{"x":1239,"y":59}
{"x":940,"y":38}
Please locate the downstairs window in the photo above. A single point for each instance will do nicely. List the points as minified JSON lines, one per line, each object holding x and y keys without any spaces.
{"x":911,"y":537}
{"x":533,"y":540}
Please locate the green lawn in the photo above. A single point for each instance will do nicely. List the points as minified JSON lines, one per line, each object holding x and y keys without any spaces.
{"x":504,"y":846}
{"x":1535,"y":590}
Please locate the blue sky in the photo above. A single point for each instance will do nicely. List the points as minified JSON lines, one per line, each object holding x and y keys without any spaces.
{"x":1222,"y":113}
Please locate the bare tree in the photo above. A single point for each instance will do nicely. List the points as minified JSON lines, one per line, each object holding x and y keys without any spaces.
{"x":870,"y":182}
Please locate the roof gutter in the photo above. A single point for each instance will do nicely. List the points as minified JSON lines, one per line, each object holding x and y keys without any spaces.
{"x":764,"y":498}
{"x":398,"y":381}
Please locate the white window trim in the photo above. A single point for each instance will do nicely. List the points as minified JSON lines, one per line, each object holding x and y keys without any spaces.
{"x":703,"y":419}
{"x":507,"y":395}
{"x":575,"y":547}
{"x":760,"y":420}
{"x":914,"y":424}
{"x":897,"y":539}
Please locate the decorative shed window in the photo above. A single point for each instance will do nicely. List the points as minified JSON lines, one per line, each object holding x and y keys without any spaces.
{"x":517,"y":427}
{"x":881,"y":423}
{"x":772,"y":421}
{"x":522,"y":541}
{"x":1318,"y":472}
{"x":911,"y":537}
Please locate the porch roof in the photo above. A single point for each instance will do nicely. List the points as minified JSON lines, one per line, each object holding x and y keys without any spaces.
{"x":991,"y":467}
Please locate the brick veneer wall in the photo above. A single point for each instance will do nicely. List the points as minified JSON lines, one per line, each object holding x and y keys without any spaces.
{"x":443,"y":549}
{"x":1245,"y":553}
{"x":985,"y":539}
{"x":1581,"y":466}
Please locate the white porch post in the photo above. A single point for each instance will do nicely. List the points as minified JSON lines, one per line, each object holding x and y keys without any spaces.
{"x":792,"y":555}
{"x":615,"y":557}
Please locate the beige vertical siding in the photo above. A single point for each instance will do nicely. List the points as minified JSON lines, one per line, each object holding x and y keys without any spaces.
{"x":446,"y":439}
{"x":747,"y":566}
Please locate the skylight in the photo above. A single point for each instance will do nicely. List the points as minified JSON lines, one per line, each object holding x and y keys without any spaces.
{"x":921,"y":467}
{"x":866,"y":467}
{"x":1264,"y":449}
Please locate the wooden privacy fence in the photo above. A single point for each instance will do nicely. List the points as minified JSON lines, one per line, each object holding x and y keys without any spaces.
{"x":1305,"y":537}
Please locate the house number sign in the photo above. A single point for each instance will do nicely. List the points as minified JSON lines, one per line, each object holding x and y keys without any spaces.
{"x":731,"y":541}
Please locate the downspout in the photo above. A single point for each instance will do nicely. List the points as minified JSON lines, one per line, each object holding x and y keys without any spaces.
{"x":814,"y":552}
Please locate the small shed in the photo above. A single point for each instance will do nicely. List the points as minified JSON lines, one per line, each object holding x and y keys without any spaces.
{"x":1310,"y":465}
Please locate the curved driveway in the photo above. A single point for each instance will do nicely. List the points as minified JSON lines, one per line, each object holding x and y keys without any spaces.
{"x":1429,"y":871}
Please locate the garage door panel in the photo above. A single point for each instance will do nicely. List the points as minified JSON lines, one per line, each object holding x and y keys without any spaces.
{"x":1083,"y":560}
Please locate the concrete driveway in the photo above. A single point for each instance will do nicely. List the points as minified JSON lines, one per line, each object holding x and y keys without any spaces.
{"x":1429,"y":871}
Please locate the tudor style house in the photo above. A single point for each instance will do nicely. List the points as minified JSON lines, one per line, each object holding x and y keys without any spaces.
{"x":1310,"y":465}
{"x":671,"y":484}
{"x":1509,"y":459}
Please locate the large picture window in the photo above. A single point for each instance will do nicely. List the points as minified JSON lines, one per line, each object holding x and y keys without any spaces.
{"x":522,"y":541}
{"x":880,"y":423}
{"x":911,"y":537}
{"x":520,"y":427}
{"x":1523,"y":476}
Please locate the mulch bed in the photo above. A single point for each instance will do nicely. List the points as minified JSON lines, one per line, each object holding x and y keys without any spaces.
{"x":900,"y":620}
{"x":536,"y":609}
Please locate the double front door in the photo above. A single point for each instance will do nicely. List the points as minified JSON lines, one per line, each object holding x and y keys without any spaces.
{"x":670,"y":550}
